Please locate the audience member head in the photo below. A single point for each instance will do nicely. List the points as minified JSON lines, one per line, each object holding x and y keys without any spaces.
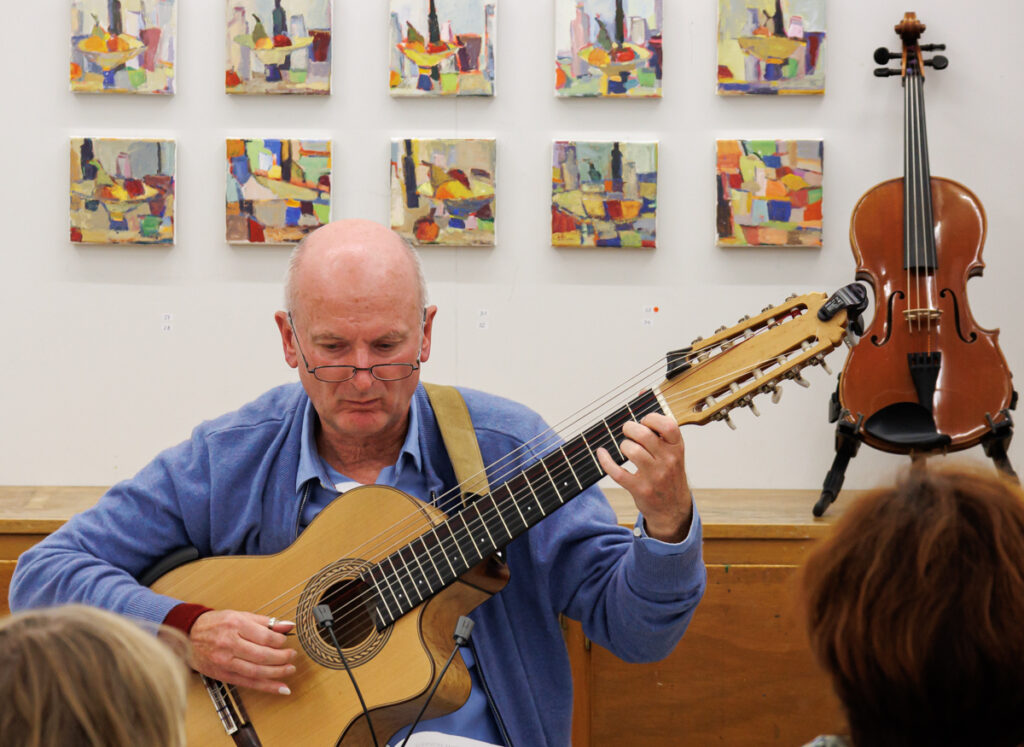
{"x":915,"y":606}
{"x":83,"y":677}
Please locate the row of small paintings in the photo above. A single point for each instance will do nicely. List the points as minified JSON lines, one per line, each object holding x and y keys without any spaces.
{"x":444,"y":191}
{"x":447,"y":47}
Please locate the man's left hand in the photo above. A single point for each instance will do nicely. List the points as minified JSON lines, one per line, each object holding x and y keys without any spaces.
{"x":655,"y":447}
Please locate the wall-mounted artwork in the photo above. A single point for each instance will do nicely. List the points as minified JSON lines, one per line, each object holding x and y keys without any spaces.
{"x":442,"y":191}
{"x":769,"y":192}
{"x":608,"y":48}
{"x":604,"y":194}
{"x":442,"y":47}
{"x":278,"y":46}
{"x":771,"y":47}
{"x":277,"y":190}
{"x":123,"y":46}
{"x":122,"y":191}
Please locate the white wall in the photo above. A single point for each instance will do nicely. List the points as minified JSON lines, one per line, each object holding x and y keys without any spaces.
{"x":92,"y":387}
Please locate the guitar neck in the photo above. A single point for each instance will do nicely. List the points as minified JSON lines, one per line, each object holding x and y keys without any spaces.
{"x":425,"y":566}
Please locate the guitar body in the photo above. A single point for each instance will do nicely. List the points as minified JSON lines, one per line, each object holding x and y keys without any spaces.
{"x":395,"y":668}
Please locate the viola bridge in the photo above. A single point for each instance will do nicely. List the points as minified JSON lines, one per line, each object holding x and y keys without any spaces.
{"x":922,"y":315}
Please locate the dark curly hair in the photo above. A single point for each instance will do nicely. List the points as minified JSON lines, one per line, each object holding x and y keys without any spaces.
{"x":915,"y":606}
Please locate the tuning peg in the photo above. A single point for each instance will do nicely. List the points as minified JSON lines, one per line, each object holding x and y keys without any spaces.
{"x":820,"y":358}
{"x":701,"y":357}
{"x":799,"y":379}
{"x":791,"y":296}
{"x":776,"y":394}
{"x":749,"y":402}
{"x":883,"y":55}
{"x":699,"y":339}
{"x":743,"y":318}
{"x":728,"y":421}
{"x":766,"y":308}
{"x":720,"y":329}
{"x":938,"y":62}
{"x":932,"y":48}
{"x":885,"y":72}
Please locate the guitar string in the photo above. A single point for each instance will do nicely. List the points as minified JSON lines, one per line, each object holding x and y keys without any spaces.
{"x":482,"y":519}
{"x":563,"y":474}
{"x":343,"y":615}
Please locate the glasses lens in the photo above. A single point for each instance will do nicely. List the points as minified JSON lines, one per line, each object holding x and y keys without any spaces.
{"x":334,"y":374}
{"x":393,"y":371}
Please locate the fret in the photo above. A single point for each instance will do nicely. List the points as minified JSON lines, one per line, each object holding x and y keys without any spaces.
{"x":592,"y":451}
{"x":470,"y":553}
{"x":573,"y":471}
{"x":456,"y":559}
{"x":483,"y":523}
{"x":444,"y":555}
{"x":403,"y":595}
{"x":543,"y":463}
{"x":543,"y":488}
{"x":435,"y":581}
{"x":515,"y":503}
{"x":414,"y":573}
{"x":533,"y":492}
{"x":613,"y":444}
{"x":378,"y":582}
{"x":497,"y":509}
{"x":586,"y":471}
{"x":490,"y":512}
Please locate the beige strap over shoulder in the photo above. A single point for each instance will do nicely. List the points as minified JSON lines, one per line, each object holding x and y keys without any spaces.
{"x":459,"y":438}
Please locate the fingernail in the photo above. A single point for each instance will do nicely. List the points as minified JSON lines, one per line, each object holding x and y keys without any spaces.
{"x":284,"y":690}
{"x":290,"y":669}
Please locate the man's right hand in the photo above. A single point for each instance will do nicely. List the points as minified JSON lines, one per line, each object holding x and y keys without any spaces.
{"x":240,"y":648}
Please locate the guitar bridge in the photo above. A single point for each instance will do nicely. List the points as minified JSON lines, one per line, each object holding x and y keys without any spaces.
{"x":231,"y":712}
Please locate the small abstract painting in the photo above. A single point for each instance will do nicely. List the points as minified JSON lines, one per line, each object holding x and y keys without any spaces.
{"x":608,"y":48}
{"x":771,"y":47}
{"x":123,"y":46}
{"x":604,"y":194}
{"x":277,"y":190}
{"x":122,"y":191}
{"x":279,"y":46}
{"x":442,"y":47}
{"x":442,"y":191}
{"x":769,"y":192}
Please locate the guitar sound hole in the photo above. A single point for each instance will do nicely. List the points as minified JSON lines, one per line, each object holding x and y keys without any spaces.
{"x":350,"y":603}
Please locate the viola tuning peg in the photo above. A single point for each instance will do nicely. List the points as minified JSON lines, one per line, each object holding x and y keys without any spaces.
{"x":933,"y":47}
{"x":938,"y":62}
{"x":885,"y":72}
{"x":883,"y":55}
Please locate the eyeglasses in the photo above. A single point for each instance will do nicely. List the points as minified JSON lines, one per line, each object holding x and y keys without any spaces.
{"x":338,"y":374}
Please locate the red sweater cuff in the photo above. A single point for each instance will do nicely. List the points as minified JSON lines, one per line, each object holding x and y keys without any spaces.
{"x":184,"y":616}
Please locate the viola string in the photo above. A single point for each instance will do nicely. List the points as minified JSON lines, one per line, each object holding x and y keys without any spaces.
{"x":482,"y":520}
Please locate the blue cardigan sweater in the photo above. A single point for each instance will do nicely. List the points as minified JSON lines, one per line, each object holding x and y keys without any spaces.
{"x":231,"y":489}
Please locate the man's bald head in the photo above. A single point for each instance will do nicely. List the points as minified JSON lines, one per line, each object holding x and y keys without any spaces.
{"x":352,"y":245}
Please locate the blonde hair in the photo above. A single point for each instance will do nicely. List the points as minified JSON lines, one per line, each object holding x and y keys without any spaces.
{"x":78,"y":675}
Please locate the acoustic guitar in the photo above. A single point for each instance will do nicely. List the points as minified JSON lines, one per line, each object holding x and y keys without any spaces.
{"x":397,"y":573}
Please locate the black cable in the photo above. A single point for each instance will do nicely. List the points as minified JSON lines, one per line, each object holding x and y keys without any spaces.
{"x":325,"y":619}
{"x":463,"y":629}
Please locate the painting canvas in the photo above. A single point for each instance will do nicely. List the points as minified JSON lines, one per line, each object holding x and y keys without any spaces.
{"x":123,"y":46}
{"x":122,"y":191}
{"x":442,"y":191}
{"x":771,"y":47}
{"x":608,"y":48}
{"x":278,"y":46}
{"x":769,"y":192}
{"x":604,"y":194}
{"x":277,"y":190}
{"x":442,"y":47}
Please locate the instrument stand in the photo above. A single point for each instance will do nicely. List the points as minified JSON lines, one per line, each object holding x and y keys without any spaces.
{"x":849,"y":438}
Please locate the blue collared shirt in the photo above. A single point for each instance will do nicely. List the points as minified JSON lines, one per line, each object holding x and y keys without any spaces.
{"x":474,"y":719}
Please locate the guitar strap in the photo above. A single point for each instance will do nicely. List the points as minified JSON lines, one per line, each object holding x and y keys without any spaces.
{"x":459,"y":439}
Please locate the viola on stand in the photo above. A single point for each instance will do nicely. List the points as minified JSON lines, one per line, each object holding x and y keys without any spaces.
{"x":924,"y":378}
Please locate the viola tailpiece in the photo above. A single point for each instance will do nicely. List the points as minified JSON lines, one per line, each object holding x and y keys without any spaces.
{"x":925,"y":378}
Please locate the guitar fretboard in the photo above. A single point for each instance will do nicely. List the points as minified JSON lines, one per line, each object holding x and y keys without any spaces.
{"x":437,"y":558}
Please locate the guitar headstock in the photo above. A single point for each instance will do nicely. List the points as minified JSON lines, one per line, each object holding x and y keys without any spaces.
{"x":736,"y":364}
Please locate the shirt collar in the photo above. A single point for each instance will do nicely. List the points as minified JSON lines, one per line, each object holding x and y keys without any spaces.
{"x":310,"y":466}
